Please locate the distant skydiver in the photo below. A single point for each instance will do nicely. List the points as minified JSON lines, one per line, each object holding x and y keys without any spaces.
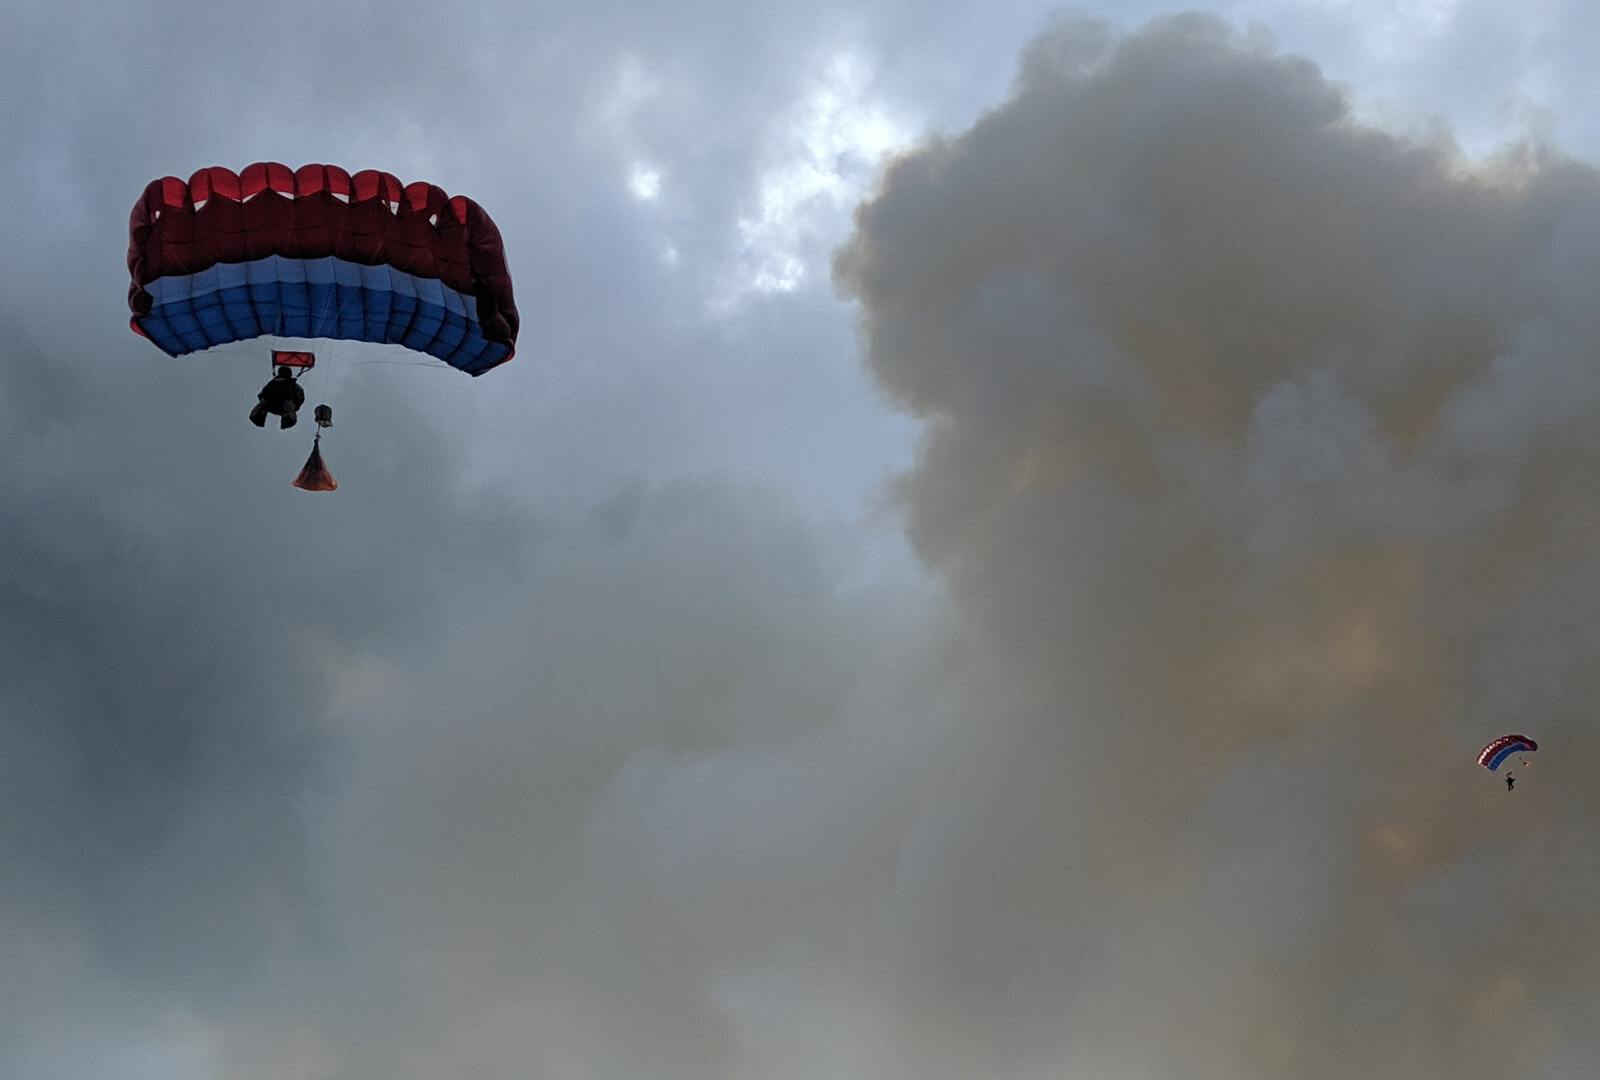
{"x":1511,"y":781}
{"x":282,"y":396}
{"x":1498,"y":750}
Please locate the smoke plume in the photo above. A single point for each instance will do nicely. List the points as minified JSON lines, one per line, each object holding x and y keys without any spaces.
{"x":1261,"y":445}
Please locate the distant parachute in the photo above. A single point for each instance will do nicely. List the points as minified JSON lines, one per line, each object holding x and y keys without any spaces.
{"x":316,"y":252}
{"x":1497,"y":751}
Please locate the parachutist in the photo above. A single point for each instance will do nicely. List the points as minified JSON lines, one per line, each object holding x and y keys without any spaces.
{"x":1511,"y":781}
{"x":282,"y":396}
{"x":307,"y":263}
{"x":1491,"y":756}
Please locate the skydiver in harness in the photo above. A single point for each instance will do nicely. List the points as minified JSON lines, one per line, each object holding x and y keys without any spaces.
{"x":283,"y":396}
{"x":1511,"y":781}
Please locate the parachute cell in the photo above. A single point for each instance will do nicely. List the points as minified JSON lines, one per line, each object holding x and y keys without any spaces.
{"x":318,"y":253}
{"x":1497,"y":751}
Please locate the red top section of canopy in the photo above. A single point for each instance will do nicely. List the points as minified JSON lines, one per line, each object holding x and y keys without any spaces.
{"x":1501,"y":743}
{"x":219,"y":216}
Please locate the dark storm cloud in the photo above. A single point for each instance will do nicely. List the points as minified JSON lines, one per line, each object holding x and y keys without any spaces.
{"x":169,"y":621}
{"x":302,"y":786}
{"x":524,"y":814}
{"x":1262,"y":445}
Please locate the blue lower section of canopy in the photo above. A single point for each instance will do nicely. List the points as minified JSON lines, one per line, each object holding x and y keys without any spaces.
{"x":318,"y":298}
{"x":1500,"y":756}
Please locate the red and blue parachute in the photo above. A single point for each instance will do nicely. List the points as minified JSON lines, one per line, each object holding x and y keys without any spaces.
{"x":1497,"y":751}
{"x":315,"y":252}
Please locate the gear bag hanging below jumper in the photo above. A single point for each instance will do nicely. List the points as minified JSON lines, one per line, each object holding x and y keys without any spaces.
{"x":315,"y":476}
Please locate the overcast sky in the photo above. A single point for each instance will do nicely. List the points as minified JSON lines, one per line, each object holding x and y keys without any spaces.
{"x":1000,"y":543}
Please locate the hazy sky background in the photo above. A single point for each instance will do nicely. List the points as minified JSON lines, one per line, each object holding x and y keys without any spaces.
{"x":1002,"y":537}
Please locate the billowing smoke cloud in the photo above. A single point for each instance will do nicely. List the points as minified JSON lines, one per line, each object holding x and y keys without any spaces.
{"x":1261,"y":445}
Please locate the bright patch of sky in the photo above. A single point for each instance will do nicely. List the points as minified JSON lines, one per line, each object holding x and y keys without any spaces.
{"x":1492,"y":72}
{"x":1391,"y":30}
{"x":644,"y":182}
{"x":823,"y":154}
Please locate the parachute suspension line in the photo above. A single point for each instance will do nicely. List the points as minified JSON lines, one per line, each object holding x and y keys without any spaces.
{"x":430,"y":364}
{"x":333,"y":291}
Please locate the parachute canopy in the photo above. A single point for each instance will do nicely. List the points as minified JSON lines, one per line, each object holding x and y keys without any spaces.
{"x":315,"y":252}
{"x":1497,"y":751}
